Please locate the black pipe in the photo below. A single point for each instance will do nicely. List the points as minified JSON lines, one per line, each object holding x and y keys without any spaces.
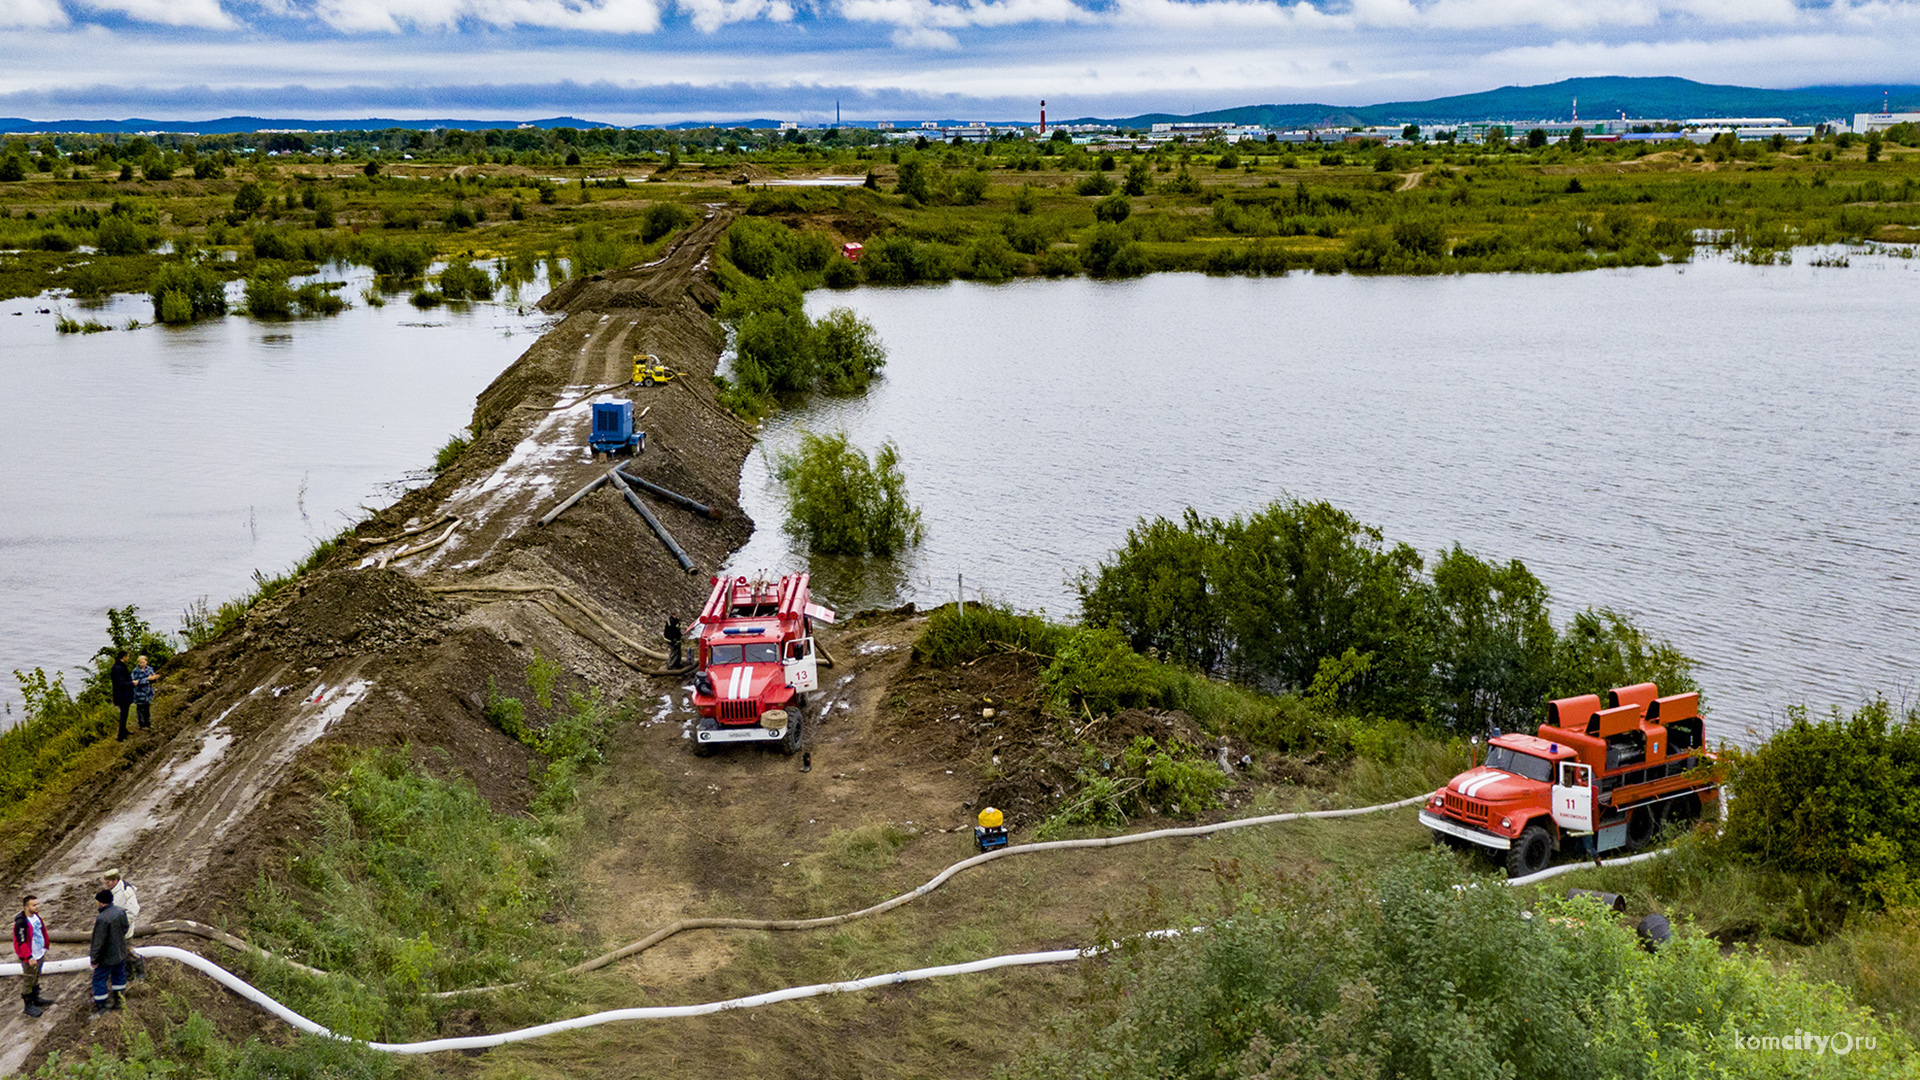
{"x":659,"y":530}
{"x":702,"y":509}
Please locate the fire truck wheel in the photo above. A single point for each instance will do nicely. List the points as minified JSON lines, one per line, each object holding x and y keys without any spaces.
{"x":703,"y":749}
{"x":790,"y":744}
{"x":1685,"y":808}
{"x":1640,"y":827}
{"x":1530,"y":853}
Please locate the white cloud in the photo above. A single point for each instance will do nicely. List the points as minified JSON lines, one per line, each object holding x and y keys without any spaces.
{"x":394,"y":16}
{"x":921,"y":37}
{"x":711,"y":15}
{"x":32,"y":13}
{"x":202,"y":13}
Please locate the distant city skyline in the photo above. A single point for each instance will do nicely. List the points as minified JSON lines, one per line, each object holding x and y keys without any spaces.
{"x":654,"y":61}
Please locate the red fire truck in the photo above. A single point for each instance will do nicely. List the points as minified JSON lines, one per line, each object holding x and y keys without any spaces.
{"x":1596,"y":778}
{"x":756,"y":662}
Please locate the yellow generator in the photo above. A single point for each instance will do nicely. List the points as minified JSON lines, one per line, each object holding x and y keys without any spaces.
{"x":648,"y":370}
{"x":991,"y":832}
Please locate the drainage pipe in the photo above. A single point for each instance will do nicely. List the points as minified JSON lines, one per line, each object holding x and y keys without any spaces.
{"x":675,"y":497}
{"x":574,"y":498}
{"x":659,"y":530}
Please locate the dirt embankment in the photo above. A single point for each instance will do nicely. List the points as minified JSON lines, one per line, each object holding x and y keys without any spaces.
{"x":370,"y":653}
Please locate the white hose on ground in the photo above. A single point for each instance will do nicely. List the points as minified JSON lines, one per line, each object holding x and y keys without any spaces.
{"x":235,"y":983}
{"x":943,"y":876}
{"x":1568,"y":868}
{"x":659,"y":1012}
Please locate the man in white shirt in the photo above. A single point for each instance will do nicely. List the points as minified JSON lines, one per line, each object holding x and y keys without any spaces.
{"x":127,"y":898}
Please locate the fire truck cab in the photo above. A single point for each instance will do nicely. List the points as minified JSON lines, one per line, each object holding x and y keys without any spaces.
{"x":757,"y":662}
{"x":1596,"y":778}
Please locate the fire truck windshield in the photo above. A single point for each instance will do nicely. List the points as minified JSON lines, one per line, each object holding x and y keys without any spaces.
{"x":1519,"y":764}
{"x":758,"y":652}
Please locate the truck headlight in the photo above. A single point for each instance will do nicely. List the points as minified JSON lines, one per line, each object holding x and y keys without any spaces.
{"x":1506,"y":823}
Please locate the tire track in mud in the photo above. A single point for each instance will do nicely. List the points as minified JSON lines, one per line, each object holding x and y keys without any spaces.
{"x":194,"y":818}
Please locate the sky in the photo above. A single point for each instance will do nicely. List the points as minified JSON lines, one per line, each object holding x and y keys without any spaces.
{"x":660,"y":61}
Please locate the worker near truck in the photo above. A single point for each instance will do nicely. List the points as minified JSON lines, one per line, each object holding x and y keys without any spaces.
{"x":108,"y":954}
{"x":127,"y":898}
{"x":673,"y":636}
{"x":30,"y":945}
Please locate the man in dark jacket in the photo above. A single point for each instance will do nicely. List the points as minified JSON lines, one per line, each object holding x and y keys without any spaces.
{"x":122,"y":678}
{"x":672,"y":635}
{"x":109,"y":953}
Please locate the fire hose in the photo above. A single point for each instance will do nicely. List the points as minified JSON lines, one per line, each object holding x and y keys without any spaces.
{"x":475,"y":1042}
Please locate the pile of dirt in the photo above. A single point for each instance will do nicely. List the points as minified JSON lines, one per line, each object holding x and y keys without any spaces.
{"x":990,"y":715}
{"x":355,"y":612}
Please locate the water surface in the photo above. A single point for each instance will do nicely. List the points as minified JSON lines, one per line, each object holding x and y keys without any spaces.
{"x":1727,"y":453}
{"x":157,"y":466}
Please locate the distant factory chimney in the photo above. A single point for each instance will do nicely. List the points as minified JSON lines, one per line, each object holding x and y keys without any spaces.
{"x":1576,"y":110}
{"x":1043,"y":118}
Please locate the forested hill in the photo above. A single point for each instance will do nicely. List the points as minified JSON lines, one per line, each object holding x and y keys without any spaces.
{"x":1664,"y":98}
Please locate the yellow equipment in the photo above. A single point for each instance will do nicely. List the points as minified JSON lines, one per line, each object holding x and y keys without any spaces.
{"x":648,"y":370}
{"x":991,"y":833}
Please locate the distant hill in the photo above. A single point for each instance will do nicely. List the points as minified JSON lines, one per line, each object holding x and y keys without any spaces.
{"x":232,"y":125}
{"x":1664,"y":98}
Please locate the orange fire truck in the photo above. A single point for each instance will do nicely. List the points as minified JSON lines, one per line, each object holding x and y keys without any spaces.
{"x":1596,"y":778}
{"x":757,"y":662}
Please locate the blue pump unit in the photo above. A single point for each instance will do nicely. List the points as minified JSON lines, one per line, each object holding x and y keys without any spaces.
{"x":613,"y":429}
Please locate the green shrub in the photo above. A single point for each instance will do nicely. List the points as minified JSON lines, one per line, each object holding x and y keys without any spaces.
{"x":184,"y":291}
{"x":1177,"y":778}
{"x":1837,"y":796}
{"x":847,"y":351}
{"x":1114,"y":208}
{"x":1095,"y":671}
{"x":663,"y":218}
{"x":450,"y":452}
{"x":1094,"y":184}
{"x":954,"y":635}
{"x":841,"y":503}
{"x":426,"y":298}
{"x":462,"y":280}
{"x":268,"y":296}
{"x":121,"y":235}
{"x":399,"y":260}
{"x":1413,"y":976}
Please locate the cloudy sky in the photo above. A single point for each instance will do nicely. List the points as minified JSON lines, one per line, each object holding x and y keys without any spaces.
{"x":642,"y":61}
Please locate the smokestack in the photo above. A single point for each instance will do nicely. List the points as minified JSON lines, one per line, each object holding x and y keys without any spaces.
{"x":1043,"y":118}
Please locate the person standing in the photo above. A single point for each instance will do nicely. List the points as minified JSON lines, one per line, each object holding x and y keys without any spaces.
{"x":30,"y":945}
{"x":108,"y":954}
{"x":143,"y":680}
{"x":122,"y":678}
{"x":672,"y":634}
{"x":127,"y":899}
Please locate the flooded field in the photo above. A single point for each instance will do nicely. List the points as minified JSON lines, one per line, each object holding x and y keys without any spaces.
{"x":156,"y":466}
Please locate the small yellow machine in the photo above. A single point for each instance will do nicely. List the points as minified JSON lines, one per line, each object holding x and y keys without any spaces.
{"x":991,"y":832}
{"x":648,"y":370}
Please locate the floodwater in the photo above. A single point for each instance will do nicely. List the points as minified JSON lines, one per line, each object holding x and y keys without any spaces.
{"x":157,"y":466}
{"x":1731,"y":454}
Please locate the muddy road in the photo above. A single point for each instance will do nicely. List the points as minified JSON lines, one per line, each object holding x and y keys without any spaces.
{"x":388,"y":644}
